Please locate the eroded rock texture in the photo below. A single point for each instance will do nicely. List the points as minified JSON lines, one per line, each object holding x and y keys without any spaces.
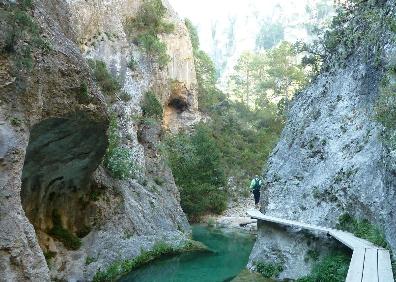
{"x":330,"y":160}
{"x":53,"y":136}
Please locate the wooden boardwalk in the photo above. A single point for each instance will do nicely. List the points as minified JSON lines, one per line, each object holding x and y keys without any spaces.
{"x":369,"y":263}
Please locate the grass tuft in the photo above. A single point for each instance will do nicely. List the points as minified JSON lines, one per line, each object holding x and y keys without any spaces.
{"x":363,"y":229}
{"x":269,"y":270}
{"x":332,"y":268}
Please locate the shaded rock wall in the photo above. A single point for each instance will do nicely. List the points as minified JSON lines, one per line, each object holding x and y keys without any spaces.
{"x":27,"y":99}
{"x":61,"y":156}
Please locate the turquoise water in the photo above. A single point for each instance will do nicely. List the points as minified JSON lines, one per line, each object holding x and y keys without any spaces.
{"x":231,"y":253}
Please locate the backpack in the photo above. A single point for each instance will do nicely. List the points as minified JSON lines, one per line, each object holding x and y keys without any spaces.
{"x":257,"y":184}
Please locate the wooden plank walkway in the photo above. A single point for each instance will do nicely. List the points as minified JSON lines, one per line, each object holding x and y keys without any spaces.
{"x":369,"y":263}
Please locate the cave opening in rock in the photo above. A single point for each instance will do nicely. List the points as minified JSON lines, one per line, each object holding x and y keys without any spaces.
{"x":57,"y":190}
{"x":179,"y":103}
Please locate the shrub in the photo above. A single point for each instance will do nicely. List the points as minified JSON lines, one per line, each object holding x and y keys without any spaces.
{"x":154,"y":48}
{"x":151,"y":107}
{"x":83,"y":94}
{"x":332,"y":268}
{"x":150,"y":17}
{"x":16,"y":122}
{"x":363,"y":229}
{"x":109,"y":85}
{"x":194,"y":37}
{"x":148,"y":23}
{"x":195,"y":162}
{"x":118,"y":160}
{"x":120,"y":163}
{"x":83,"y":231}
{"x":84,"y":89}
{"x":22,"y":35}
{"x":69,"y":240}
{"x":200,"y":199}
{"x":313,"y":254}
{"x":269,"y":270}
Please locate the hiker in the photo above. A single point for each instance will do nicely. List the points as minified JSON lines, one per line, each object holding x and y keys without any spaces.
{"x":255,"y":186}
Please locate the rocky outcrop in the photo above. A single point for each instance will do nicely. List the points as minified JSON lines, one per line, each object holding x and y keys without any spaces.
{"x":330,"y":160}
{"x":100,"y":29}
{"x":53,"y":123}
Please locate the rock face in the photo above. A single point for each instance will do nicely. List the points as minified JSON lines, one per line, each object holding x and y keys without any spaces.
{"x":53,"y":123}
{"x":330,"y":160}
{"x":100,"y":29}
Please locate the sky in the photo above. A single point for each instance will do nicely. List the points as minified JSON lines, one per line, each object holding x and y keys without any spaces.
{"x":205,"y":13}
{"x":248,"y":15}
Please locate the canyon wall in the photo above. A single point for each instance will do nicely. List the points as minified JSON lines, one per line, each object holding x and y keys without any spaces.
{"x":54,"y":121}
{"x":331,"y":158}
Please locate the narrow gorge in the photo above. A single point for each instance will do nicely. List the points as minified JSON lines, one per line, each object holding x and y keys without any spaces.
{"x":128,"y":132}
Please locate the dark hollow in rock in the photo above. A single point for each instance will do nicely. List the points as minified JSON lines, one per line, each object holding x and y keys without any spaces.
{"x":179,"y":103}
{"x":61,"y":156}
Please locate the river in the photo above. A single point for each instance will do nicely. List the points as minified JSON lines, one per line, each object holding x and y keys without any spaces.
{"x":230,"y":255}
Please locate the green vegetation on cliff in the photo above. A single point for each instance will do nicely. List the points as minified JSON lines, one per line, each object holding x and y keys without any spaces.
{"x":109,"y":85}
{"x":118,"y":160}
{"x":151,"y":107}
{"x":269,"y":270}
{"x":331,"y":268}
{"x":145,"y":27}
{"x":363,"y":229}
{"x":22,"y":35}
{"x":386,"y":105}
{"x":358,"y":26}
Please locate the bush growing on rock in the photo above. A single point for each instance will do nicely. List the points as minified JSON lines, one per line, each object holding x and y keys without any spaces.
{"x":120,"y":163}
{"x":363,"y":229}
{"x":154,"y":48}
{"x":151,"y":107}
{"x":109,"y":85}
{"x":22,"y":35}
{"x":269,"y":270}
{"x":132,"y":64}
{"x":118,"y":160}
{"x":332,"y":268}
{"x":145,"y":27}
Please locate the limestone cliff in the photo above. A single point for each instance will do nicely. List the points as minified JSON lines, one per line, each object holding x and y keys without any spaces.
{"x":100,"y":30}
{"x":331,"y":158}
{"x":53,"y":124}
